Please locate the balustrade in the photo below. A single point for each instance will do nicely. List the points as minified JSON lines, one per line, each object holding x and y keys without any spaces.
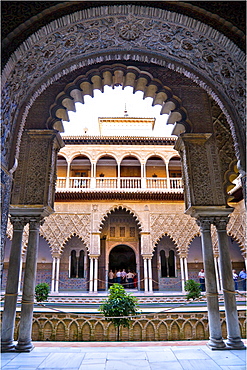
{"x":122,"y":182}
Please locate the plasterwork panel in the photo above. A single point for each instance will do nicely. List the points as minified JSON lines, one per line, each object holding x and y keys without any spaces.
{"x":236,"y":226}
{"x":129,"y":28}
{"x":179,"y":227}
{"x":59,"y":227}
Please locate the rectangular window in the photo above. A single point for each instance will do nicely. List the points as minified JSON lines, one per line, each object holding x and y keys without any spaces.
{"x":112,"y":232}
{"x":132,"y":232}
{"x":122,"y":231}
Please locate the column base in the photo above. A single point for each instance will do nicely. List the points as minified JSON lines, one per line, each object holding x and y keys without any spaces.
{"x":24,"y":347}
{"x":235,"y":343}
{"x":7,"y":346}
{"x":216,"y":344}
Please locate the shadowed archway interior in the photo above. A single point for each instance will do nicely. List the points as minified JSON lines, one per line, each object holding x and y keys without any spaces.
{"x":122,"y":257}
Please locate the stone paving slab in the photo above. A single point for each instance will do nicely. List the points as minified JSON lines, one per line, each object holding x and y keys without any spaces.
{"x":117,"y":356}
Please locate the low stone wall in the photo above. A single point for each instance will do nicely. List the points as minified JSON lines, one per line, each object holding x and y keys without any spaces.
{"x":155,"y":327}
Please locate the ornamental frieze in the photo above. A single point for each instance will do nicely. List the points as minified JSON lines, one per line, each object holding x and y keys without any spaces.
{"x":161,"y":34}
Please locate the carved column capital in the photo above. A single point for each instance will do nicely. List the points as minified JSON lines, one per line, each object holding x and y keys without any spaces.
{"x":18,"y":222}
{"x":221,"y":223}
{"x":205,"y":223}
{"x":35,"y":222}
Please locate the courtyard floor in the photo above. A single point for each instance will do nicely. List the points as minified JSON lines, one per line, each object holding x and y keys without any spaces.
{"x":124,"y":356}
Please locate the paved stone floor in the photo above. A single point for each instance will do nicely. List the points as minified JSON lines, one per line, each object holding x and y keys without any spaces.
{"x":124,"y":356}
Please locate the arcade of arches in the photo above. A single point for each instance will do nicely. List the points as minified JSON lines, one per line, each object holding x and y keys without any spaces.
{"x":109,"y":201}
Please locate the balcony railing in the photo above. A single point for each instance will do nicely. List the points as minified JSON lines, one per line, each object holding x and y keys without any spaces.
{"x":119,"y":183}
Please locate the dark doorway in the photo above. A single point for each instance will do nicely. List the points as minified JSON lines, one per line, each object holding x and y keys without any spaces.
{"x":122,"y":257}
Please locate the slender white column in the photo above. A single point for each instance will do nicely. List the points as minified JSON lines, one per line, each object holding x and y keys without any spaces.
{"x":182,"y":272}
{"x":167,"y":176}
{"x":217,"y":273}
{"x":186,"y":269}
{"x":93,"y":175}
{"x":150,"y":277}
{"x":20,"y":275}
{"x":95,"y":274}
{"x":145,"y":276}
{"x":118,"y":175}
{"x":143,"y":176}
{"x":91,"y":275}
{"x":69,"y":269}
{"x":245,"y":261}
{"x":53,"y":274}
{"x":57,"y":274}
{"x":68,"y":175}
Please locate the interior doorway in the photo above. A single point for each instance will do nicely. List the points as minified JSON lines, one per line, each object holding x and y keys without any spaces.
{"x":122,"y":257}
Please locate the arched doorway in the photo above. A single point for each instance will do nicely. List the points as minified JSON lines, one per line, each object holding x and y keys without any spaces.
{"x":122,"y":257}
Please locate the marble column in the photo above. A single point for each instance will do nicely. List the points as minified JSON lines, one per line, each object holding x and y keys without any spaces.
{"x":10,"y":301}
{"x":95,"y":275}
{"x":167,"y":176}
{"x":215,"y":338}
{"x":68,"y":176}
{"x":217,"y":273}
{"x":20,"y":276}
{"x":150,"y":277}
{"x":57,"y":275}
{"x":24,"y":341}
{"x":91,"y":275}
{"x":182,"y":272}
{"x":53,"y":275}
{"x":145,"y":275}
{"x":186,"y":269}
{"x":233,"y":330}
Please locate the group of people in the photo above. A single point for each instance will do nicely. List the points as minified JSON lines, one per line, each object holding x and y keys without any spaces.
{"x":127,"y":279}
{"x":237,"y":278}
{"x":241,"y":277}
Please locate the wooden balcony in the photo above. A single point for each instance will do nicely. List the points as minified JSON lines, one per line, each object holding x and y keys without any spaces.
{"x":113,"y":183}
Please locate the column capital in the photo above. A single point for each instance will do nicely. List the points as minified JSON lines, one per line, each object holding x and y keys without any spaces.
{"x":221,"y":222}
{"x":94,"y":256}
{"x":147,"y":256}
{"x":18,"y":222}
{"x":204,"y":222}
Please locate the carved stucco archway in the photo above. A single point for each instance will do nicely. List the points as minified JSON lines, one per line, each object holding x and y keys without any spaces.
{"x":119,"y":33}
{"x":122,"y":207}
{"x":117,"y":75}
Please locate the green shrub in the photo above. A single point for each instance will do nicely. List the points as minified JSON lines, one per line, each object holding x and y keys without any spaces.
{"x":119,"y":303}
{"x":193,"y":288}
{"x":41,"y":292}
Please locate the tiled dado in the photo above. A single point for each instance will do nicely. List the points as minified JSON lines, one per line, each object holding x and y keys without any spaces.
{"x":146,"y":327}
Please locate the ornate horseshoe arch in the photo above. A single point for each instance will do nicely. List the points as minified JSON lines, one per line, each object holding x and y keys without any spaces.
{"x":119,"y":33}
{"x":115,"y":75}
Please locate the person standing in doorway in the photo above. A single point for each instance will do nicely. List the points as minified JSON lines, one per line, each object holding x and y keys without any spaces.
{"x":201,"y":276}
{"x":110,"y":278}
{"x":118,"y":275}
{"x":130,"y":277}
{"x":123,"y":277}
